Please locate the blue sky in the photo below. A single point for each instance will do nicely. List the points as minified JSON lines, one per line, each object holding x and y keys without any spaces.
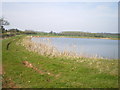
{"x":62,"y":16}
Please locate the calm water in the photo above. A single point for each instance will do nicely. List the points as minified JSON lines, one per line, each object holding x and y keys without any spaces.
{"x":88,"y":47}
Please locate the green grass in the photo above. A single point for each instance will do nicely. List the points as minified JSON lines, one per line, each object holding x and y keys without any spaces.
{"x":72,"y":73}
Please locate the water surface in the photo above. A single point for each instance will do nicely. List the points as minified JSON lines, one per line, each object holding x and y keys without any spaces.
{"x":86,"y":47}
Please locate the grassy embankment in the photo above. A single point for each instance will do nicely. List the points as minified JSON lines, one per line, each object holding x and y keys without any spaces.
{"x":28,"y":69}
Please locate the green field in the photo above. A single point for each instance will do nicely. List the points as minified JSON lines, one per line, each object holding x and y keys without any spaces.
{"x":54,"y":72}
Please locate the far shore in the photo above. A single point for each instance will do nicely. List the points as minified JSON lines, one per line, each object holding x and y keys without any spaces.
{"x":78,"y":37}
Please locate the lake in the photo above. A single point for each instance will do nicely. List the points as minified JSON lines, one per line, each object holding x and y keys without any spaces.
{"x":101,"y":48}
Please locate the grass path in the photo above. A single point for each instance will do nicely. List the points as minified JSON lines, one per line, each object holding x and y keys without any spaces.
{"x":57,"y":72}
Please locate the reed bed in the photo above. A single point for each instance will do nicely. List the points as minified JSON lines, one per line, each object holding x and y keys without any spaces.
{"x":44,"y":47}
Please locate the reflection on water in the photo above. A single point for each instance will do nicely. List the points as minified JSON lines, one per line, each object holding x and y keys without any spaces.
{"x":86,"y":47}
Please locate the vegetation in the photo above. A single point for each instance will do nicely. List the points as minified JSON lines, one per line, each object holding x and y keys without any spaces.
{"x":12,"y":32}
{"x":46,"y":48}
{"x":4,"y":33}
{"x":78,"y":34}
{"x":88,"y":34}
{"x":23,"y":68}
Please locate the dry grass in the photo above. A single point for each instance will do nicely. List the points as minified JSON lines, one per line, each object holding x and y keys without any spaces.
{"x":45,"y":48}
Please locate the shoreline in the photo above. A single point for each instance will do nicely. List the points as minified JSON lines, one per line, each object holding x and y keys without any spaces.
{"x":77,"y":37}
{"x":76,"y":55}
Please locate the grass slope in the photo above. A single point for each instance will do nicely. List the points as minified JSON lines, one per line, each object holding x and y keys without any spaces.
{"x":65,"y":73}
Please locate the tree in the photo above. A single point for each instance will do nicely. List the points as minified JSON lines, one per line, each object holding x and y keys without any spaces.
{"x":2,"y":23}
{"x":51,"y":32}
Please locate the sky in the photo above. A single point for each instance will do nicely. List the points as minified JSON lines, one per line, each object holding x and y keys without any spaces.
{"x":60,"y":0}
{"x":62,"y":16}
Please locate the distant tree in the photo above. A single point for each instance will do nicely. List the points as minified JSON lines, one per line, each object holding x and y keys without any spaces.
{"x":29,"y":32}
{"x":51,"y":32}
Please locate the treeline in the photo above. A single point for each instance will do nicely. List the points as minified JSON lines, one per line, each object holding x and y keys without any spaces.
{"x":88,"y":34}
{"x":13,"y":32}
